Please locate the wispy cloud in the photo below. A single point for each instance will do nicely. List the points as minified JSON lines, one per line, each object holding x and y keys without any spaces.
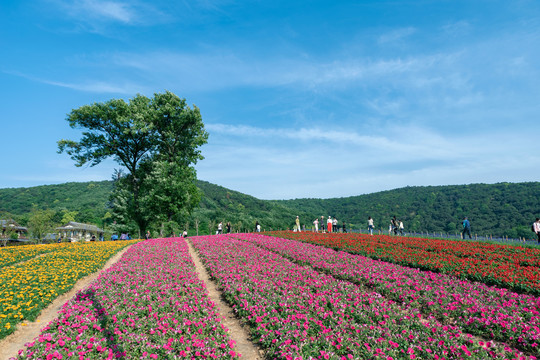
{"x":96,"y":12}
{"x":94,"y":86}
{"x":412,"y":142}
{"x":222,"y":68}
{"x":292,"y":163}
{"x":396,"y":35}
{"x":458,"y":28}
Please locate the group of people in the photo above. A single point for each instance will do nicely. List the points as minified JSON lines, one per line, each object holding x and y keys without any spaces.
{"x":123,"y":236}
{"x":396,"y":227}
{"x":331,"y":225}
{"x":228,"y":227}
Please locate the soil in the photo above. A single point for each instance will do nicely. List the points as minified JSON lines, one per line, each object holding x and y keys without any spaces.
{"x":237,"y":332}
{"x":10,"y":345}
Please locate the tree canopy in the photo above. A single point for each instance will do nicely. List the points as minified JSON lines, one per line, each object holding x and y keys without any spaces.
{"x":152,"y":139}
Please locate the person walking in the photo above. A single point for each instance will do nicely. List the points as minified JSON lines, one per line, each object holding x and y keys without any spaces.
{"x":316,"y":223}
{"x":219,"y":228}
{"x":395,"y":225}
{"x":298,"y":224}
{"x":344,"y":227}
{"x":370,"y":225}
{"x":401,"y":228}
{"x":466,"y":228}
{"x":536,"y":228}
{"x":329,"y":224}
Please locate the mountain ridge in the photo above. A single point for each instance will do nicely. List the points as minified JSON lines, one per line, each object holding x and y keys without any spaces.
{"x":498,"y":209}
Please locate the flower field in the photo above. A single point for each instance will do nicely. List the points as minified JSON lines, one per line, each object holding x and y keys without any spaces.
{"x":514,"y":267}
{"x":39,"y":273}
{"x":17,"y":254}
{"x":489,"y":312}
{"x":300,"y":301}
{"x":149,"y":305}
{"x":296,"y":312}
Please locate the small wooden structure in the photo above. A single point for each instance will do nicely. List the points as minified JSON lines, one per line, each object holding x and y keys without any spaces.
{"x":75,"y":231}
{"x":11,"y":226}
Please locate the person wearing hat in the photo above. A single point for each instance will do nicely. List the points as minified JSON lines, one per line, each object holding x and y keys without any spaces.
{"x":329,"y":224}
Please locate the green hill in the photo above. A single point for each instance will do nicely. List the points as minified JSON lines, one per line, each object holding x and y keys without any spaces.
{"x":91,"y":199}
{"x":497,"y":209}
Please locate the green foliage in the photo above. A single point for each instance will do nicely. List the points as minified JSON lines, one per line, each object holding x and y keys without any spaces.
{"x":69,"y":216}
{"x":41,"y":223}
{"x":154,"y":139}
{"x":171,"y":191}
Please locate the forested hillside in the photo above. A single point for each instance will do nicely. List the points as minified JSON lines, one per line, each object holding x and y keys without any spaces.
{"x":497,"y":209}
{"x":91,"y":199}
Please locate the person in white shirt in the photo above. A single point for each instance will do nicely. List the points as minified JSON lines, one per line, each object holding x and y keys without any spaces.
{"x":536,"y":227}
{"x":370,"y":225}
{"x":298,"y":223}
{"x":316,"y":223}
{"x":401,"y":228}
{"x":219,"y":228}
{"x":334,"y":225}
{"x":329,"y":224}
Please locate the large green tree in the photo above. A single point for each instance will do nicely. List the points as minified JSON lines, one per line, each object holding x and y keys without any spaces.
{"x":41,"y":223}
{"x":150,"y":138}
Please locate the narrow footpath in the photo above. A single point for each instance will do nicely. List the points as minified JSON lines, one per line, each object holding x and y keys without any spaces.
{"x":236,"y":331}
{"x":10,"y":345}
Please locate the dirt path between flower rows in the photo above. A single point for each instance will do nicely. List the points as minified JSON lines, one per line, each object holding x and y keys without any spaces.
{"x":236,"y":331}
{"x":10,"y":345}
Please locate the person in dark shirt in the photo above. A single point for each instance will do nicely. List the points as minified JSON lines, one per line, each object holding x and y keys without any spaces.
{"x":466,"y":228}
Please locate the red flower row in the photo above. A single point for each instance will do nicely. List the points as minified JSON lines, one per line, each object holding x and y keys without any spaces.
{"x":513,"y":267}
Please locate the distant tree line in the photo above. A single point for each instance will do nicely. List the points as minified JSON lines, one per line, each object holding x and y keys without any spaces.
{"x":504,"y":209}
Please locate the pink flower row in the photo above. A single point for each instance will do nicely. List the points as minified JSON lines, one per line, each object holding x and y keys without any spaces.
{"x":296,"y":312}
{"x":476,"y":308}
{"x":149,"y":305}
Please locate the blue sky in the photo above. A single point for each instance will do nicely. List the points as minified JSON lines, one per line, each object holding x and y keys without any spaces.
{"x":301,"y":99}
